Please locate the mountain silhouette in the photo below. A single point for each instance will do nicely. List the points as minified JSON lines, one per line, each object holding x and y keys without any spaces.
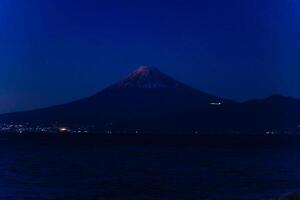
{"x":144,"y":94}
{"x":148,"y":99}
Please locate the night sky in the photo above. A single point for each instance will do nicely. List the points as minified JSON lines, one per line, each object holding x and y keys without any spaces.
{"x":55,"y":51}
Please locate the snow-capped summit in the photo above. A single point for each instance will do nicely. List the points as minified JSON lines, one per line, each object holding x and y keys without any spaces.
{"x":148,"y":78}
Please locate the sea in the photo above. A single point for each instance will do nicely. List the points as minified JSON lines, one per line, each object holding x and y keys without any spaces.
{"x":120,"y":167}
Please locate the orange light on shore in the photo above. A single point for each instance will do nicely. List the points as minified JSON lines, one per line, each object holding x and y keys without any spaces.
{"x":63,"y":130}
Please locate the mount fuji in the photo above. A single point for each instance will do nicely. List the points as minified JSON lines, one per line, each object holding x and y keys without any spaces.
{"x":148,"y":99}
{"x":143,"y":95}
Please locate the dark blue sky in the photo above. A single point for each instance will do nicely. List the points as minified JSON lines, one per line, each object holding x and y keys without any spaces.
{"x":54,"y":51}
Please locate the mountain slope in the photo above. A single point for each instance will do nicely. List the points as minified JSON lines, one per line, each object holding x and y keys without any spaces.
{"x":144,"y":94}
{"x":148,"y":99}
{"x":273,"y":114}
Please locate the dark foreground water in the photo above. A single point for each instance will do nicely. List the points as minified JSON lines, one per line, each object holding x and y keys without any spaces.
{"x":148,"y":167}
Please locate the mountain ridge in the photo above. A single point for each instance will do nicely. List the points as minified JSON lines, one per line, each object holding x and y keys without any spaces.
{"x":143,"y":93}
{"x":149,"y":99}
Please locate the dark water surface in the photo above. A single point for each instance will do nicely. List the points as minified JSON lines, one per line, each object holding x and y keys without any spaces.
{"x":148,"y":167}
